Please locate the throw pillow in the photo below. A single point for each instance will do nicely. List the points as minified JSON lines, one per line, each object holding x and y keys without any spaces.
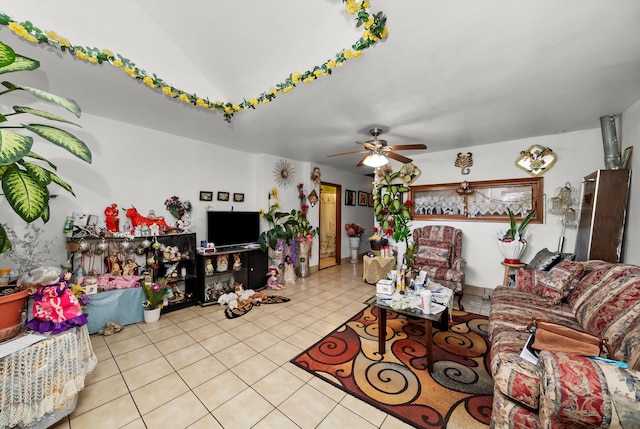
{"x":544,"y":260}
{"x":433,"y":253}
{"x":555,"y":284}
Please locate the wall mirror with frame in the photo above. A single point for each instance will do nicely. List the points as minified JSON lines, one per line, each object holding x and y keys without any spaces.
{"x":486,"y":201}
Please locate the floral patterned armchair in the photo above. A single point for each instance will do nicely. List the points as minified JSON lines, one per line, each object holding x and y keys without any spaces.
{"x":440,"y":256}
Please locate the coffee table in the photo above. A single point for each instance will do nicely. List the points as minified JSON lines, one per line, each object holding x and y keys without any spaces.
{"x":440,"y":318}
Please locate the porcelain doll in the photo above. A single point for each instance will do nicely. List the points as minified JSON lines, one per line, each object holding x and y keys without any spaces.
{"x":289,"y":272}
{"x":273,"y":282}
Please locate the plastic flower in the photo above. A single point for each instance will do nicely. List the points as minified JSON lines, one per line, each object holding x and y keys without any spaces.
{"x":354,"y":230}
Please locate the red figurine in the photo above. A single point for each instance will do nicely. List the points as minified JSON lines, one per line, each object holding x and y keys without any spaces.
{"x":138,"y":219}
{"x":111,"y":213}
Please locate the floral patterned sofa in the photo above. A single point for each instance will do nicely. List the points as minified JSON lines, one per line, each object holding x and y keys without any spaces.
{"x":564,"y":390}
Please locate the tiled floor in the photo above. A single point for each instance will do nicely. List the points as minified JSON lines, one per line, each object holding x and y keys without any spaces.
{"x":196,"y":369}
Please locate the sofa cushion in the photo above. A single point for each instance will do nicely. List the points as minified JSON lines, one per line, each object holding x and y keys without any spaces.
{"x":544,"y":260}
{"x":516,"y":377}
{"x":607,"y":303}
{"x":571,"y":391}
{"x":512,"y":309}
{"x":555,"y":284}
{"x":433,"y":253}
{"x":527,"y":279}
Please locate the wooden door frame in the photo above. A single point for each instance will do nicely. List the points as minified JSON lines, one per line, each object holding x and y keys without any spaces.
{"x":338,"y":219}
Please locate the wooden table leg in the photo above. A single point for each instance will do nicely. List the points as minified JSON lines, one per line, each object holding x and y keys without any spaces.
{"x":505,"y":280}
{"x":382,"y":330}
{"x":428,"y":334}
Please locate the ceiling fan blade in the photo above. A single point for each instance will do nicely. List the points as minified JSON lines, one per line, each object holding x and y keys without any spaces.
{"x":408,"y":147}
{"x":361,"y":163}
{"x":368,"y":145}
{"x":398,"y":157}
{"x":347,"y":153}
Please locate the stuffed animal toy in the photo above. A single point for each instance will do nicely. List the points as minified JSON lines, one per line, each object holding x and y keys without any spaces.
{"x":249,"y":295}
{"x":230,"y":299}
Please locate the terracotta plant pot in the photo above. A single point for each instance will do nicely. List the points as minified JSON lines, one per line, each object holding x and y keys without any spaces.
{"x":11,"y":307}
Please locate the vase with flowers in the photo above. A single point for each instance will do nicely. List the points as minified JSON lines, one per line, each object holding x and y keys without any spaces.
{"x":154,"y":293}
{"x":303,"y":233}
{"x":354,"y":231}
{"x":377,"y":240}
{"x":511,"y":241}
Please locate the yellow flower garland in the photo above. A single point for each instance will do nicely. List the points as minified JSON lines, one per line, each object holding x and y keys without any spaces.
{"x":374,"y":25}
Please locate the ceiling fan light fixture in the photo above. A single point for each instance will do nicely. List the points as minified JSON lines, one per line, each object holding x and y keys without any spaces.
{"x":375,"y":160}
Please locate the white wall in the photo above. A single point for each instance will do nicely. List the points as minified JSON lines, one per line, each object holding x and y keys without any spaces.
{"x":630,"y":136}
{"x":579,"y":154}
{"x":134,"y":166}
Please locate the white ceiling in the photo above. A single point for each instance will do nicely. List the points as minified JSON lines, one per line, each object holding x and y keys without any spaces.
{"x":451,"y":74}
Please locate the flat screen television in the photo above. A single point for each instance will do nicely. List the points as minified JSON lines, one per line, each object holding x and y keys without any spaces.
{"x":232,"y":228}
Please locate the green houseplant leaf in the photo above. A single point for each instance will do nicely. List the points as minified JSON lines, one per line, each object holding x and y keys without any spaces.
{"x":25,"y":183}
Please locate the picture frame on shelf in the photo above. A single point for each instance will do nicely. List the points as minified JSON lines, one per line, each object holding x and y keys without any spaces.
{"x":223,"y":196}
{"x":206,"y":196}
{"x":238,"y":198}
{"x":363,"y":199}
{"x":349,"y":198}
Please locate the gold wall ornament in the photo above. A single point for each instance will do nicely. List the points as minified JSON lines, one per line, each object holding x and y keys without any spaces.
{"x":536,"y":160}
{"x":464,"y":162}
{"x":284,"y":173}
{"x":409,"y":173}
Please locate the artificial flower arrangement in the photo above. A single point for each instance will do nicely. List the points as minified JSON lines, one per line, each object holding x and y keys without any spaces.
{"x":354,"y":230}
{"x":515,"y":232}
{"x":154,"y":292}
{"x":374,"y":25}
{"x":177,"y":208}
{"x":280,"y":230}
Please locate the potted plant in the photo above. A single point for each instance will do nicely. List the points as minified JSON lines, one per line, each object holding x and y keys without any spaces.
{"x":25,"y":182}
{"x":354,"y":231}
{"x":511,"y":241}
{"x":303,"y":234}
{"x":402,"y":232}
{"x":376,"y":241}
{"x":277,"y":240}
{"x":154,"y":294}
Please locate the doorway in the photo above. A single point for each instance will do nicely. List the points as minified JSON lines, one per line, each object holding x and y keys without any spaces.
{"x":330,"y":215}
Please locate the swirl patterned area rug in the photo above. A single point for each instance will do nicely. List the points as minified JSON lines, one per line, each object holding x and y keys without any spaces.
{"x":459,"y":392}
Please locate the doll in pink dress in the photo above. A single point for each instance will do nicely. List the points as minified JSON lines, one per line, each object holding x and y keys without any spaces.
{"x":273,"y":282}
{"x":55,"y":307}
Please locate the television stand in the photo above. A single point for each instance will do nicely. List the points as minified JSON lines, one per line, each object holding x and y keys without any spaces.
{"x":218,"y":271}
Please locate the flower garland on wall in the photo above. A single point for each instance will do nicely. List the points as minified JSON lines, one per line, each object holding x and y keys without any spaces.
{"x":374,"y":29}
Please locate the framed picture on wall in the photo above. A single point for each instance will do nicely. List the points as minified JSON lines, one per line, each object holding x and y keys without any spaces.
{"x":371,"y":199}
{"x":206,"y":196}
{"x":223,"y":196}
{"x":363,"y":198}
{"x":238,"y":198}
{"x":349,"y":198}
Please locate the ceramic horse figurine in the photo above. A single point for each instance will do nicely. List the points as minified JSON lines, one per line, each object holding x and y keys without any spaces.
{"x":137,"y":219}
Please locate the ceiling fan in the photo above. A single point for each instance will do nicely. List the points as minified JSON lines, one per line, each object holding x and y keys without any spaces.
{"x":377,"y":151}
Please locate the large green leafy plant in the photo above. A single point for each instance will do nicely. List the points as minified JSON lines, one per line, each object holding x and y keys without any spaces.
{"x":25,"y":182}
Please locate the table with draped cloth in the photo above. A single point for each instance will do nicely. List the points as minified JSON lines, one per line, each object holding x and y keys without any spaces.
{"x":376,"y":268}
{"x":39,"y":384}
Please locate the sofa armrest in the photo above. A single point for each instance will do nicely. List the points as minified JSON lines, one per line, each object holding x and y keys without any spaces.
{"x":459,"y":264}
{"x":576,"y":390}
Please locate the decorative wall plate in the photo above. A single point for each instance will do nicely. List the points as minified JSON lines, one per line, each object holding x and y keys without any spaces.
{"x":464,"y":162}
{"x":409,"y":173}
{"x":283,"y":173}
{"x":536,"y":160}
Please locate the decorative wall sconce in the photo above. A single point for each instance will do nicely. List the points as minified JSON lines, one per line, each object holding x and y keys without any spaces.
{"x":536,"y":160}
{"x":464,"y":162}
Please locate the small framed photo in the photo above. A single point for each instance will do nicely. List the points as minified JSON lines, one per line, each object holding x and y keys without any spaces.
{"x":363,"y":198}
{"x":371,"y":199}
{"x":223,"y":196}
{"x":349,"y":198}
{"x":206,"y":196}
{"x":80,"y":219}
{"x":92,"y":221}
{"x":238,"y":198}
